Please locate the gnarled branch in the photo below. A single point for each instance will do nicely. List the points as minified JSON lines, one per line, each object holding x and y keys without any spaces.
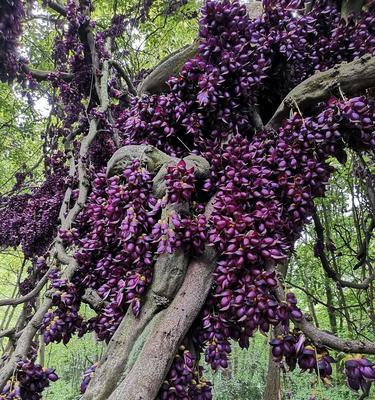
{"x":148,"y":372}
{"x":352,"y":78}
{"x":155,"y":82}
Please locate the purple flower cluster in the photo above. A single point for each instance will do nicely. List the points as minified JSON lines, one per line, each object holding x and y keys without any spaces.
{"x":210,"y":96}
{"x":360,"y":373}
{"x":69,"y":236}
{"x":30,"y":219}
{"x":152,"y":120}
{"x":71,"y":55}
{"x":240,"y":311}
{"x":302,"y":43}
{"x":29,"y":381}
{"x":61,"y":323}
{"x":180,"y":182}
{"x":240,"y":62}
{"x":184,"y":380}
{"x":265,"y":192}
{"x":11,"y":14}
{"x":165,"y":234}
{"x":116,"y":245}
{"x":193,"y":232}
{"x":295,"y":349}
{"x":87,"y":375}
{"x":12,"y":219}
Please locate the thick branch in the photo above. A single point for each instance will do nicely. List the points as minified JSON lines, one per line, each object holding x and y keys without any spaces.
{"x":352,"y":78}
{"x":28,"y":296}
{"x":322,"y":338}
{"x":155,"y":82}
{"x":41,"y":76}
{"x":151,"y":158}
{"x":116,"y":357}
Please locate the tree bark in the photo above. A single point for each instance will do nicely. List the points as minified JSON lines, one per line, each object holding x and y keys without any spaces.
{"x":272,"y":390}
{"x":352,"y":78}
{"x":310,"y":301}
{"x":330,"y":308}
{"x":146,"y":376}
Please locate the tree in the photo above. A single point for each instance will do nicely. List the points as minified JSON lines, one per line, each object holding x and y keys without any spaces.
{"x":171,"y":203}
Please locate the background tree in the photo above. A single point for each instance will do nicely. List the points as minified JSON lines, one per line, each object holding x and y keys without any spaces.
{"x":170,"y":199}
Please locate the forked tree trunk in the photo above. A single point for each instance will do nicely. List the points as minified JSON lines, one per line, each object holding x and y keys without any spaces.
{"x":141,"y":352}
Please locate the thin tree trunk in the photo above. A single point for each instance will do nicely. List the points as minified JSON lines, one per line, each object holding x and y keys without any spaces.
{"x":310,"y":302}
{"x":370,"y":300}
{"x":272,"y":390}
{"x":330,"y":309}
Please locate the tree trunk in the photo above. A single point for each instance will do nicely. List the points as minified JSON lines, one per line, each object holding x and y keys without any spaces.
{"x":141,"y":352}
{"x":330,"y":308}
{"x":152,"y":364}
{"x":272,"y":390}
{"x":310,"y":302}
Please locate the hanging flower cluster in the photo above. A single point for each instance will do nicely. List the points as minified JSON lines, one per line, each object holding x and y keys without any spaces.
{"x":180,"y":182}
{"x":30,"y":220}
{"x":60,"y":324}
{"x":116,"y":247}
{"x":185,"y":380}
{"x":295,"y":349}
{"x":360,"y":373}
{"x":87,"y":375}
{"x":28,"y":382}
